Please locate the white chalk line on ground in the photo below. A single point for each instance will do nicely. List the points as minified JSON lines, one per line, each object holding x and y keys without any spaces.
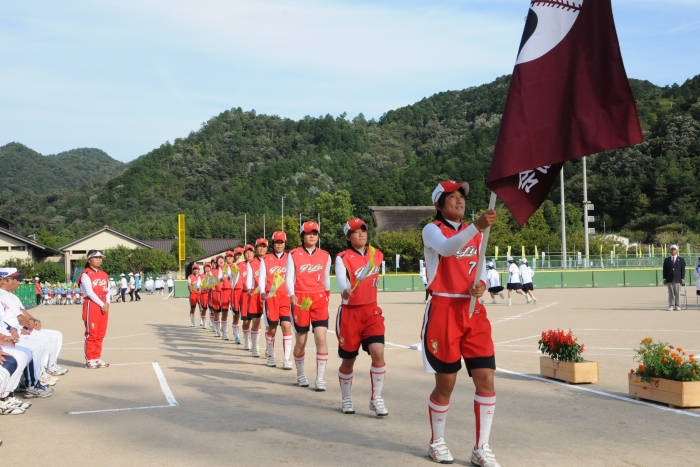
{"x":592,"y":354}
{"x":601,"y":393}
{"x":109,"y":338}
{"x":385,"y":343}
{"x":514,"y":340}
{"x":163,"y":386}
{"x":523,"y":314}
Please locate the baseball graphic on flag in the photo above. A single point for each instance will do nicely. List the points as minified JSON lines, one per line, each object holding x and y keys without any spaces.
{"x":548,"y":23}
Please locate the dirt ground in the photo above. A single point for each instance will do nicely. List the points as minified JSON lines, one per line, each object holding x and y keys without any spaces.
{"x":207,"y":402}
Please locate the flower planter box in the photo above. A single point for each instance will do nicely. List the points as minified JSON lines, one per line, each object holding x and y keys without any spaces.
{"x":666,"y":391}
{"x":570,"y":372}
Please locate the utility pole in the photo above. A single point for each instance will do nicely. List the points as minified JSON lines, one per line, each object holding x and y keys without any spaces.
{"x":563,"y":221}
{"x":585,"y":213}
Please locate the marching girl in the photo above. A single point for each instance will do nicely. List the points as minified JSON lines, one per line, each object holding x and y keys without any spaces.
{"x":248,"y":255}
{"x":204,"y":296}
{"x":360,"y":321}
{"x":494,"y":282}
{"x":309,"y":284}
{"x":236,"y":291}
{"x":273,"y":272}
{"x":255,"y":304}
{"x":449,"y":334}
{"x":228,"y":271}
{"x":194,"y":284}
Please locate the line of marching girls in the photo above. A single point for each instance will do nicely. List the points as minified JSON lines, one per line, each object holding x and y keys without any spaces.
{"x":291,"y":290}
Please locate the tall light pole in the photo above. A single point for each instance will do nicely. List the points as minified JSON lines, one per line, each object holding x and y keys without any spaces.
{"x":563,"y":221}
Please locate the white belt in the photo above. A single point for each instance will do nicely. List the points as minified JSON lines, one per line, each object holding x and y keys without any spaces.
{"x":451,"y":295}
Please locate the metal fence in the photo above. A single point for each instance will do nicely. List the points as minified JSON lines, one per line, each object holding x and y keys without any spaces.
{"x":594,"y":262}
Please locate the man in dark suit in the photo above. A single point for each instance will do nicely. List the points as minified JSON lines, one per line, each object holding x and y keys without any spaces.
{"x":674,"y":277}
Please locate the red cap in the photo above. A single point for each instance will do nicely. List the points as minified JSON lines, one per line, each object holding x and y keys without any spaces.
{"x":237,"y":250}
{"x":16,"y":275}
{"x":308,"y":227}
{"x":279,"y":236}
{"x":248,"y":247}
{"x":449,"y":186}
{"x":261,"y":241}
{"x":229,"y":253}
{"x":207,"y":265}
{"x":354,"y":224}
{"x":195,"y":266}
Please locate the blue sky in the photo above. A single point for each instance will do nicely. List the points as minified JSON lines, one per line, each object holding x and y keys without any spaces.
{"x":125,"y":76}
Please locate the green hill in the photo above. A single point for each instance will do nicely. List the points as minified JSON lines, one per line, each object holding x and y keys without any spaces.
{"x":241,"y":162}
{"x":26,"y":171}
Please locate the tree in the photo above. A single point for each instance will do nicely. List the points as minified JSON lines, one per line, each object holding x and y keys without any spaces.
{"x":192,"y":249}
{"x":335,"y":209}
{"x":407,"y":244}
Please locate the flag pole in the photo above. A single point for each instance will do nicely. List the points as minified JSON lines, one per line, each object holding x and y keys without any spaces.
{"x":482,"y":253}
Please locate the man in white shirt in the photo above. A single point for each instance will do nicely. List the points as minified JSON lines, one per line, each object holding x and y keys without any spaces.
{"x":171,"y":287}
{"x":18,"y":324}
{"x":526,"y":275}
{"x":123,"y":287}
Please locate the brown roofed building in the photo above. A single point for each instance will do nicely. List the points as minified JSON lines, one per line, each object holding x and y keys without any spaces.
{"x":399,"y":218}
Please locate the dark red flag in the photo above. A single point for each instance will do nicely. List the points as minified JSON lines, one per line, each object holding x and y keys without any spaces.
{"x":569,"y":97}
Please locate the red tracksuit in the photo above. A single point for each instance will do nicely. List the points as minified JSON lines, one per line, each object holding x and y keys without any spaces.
{"x":95,"y":321}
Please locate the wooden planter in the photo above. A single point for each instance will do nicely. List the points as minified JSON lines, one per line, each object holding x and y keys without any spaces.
{"x":570,"y":372}
{"x":666,"y":391}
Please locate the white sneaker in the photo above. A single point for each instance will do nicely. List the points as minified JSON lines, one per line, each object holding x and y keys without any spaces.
{"x":500,"y":294}
{"x":217,"y":332}
{"x":256,"y":353}
{"x":484,"y":457}
{"x":377,"y":405}
{"x":534,"y":300}
{"x":670,"y":308}
{"x":527,"y":299}
{"x":439,"y":453}
{"x":320,"y":385}
{"x":678,"y":308}
{"x":202,"y":324}
{"x":493,"y":302}
{"x":509,"y":302}
{"x":246,"y":343}
{"x":56,"y":370}
{"x":271,"y":362}
{"x":302,"y":381}
{"x":224,"y":335}
{"x":287,"y":365}
{"x":191,"y":321}
{"x":17,"y":402}
{"x":347,"y":406}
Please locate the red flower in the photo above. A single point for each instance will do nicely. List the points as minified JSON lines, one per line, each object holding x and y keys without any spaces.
{"x":641,"y":367}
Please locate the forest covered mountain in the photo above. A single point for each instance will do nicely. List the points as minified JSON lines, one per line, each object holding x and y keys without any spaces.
{"x":27,"y":172}
{"x":241,"y":162}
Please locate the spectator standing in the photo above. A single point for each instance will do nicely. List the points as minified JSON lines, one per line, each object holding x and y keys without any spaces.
{"x":137,"y":286}
{"x":37,"y":290}
{"x":123,"y":287}
{"x":132,"y":286}
{"x":171,"y":286}
{"x":674,"y":277}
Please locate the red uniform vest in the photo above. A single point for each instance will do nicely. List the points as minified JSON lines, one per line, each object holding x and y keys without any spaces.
{"x":456,"y":273}
{"x":193,"y":281}
{"x":215,"y":273}
{"x":100,"y":283}
{"x":244,"y":275}
{"x":355,"y":262}
{"x":272,"y":265}
{"x":241,"y":270}
{"x":255,"y":266}
{"x":309,"y":269}
{"x":226,"y":283}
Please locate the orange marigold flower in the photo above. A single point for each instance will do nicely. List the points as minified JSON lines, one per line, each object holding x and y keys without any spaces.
{"x":665,"y":360}
{"x":694,"y":373}
{"x":680,"y":349}
{"x":691,"y":355}
{"x":692,"y":359}
{"x":671,"y":347}
{"x":674,"y":354}
{"x":641,"y":367}
{"x":631,"y":371}
{"x":679,"y":360}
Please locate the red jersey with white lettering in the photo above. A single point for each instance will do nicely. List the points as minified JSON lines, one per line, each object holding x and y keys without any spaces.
{"x":310,"y":270}
{"x":456,"y":273}
{"x":100,"y":283}
{"x":244,"y":275}
{"x":241,"y":278}
{"x":274,"y":264}
{"x":355,"y":262}
{"x":227,"y":278}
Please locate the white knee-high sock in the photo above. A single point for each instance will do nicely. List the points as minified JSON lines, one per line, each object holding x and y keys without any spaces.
{"x":236,"y":331}
{"x":255,"y":336}
{"x":270,"y":340}
{"x":287,"y":342}
{"x":377,"y":375}
{"x":321,"y":361}
{"x":438,"y":418}
{"x":299,"y":362}
{"x":484,"y":408}
{"x":345,"y":382}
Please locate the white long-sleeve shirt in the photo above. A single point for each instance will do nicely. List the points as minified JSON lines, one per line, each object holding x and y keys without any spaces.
{"x":437,"y":245}
{"x":249,"y":278}
{"x":494,"y":280}
{"x":526,"y":273}
{"x":513,"y":273}
{"x":291,"y":275}
{"x":263,"y":274}
{"x":86,"y":288}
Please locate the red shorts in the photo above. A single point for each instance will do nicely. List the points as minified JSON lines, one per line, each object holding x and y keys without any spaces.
{"x":449,"y":334}
{"x":243,"y":307}
{"x":236,"y":300}
{"x":358,"y":325}
{"x":204,"y":300}
{"x":225,"y":299}
{"x":215,"y":300}
{"x":194,"y":298}
{"x":255,"y":306}
{"x":277,"y":309}
{"x":316,"y":316}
